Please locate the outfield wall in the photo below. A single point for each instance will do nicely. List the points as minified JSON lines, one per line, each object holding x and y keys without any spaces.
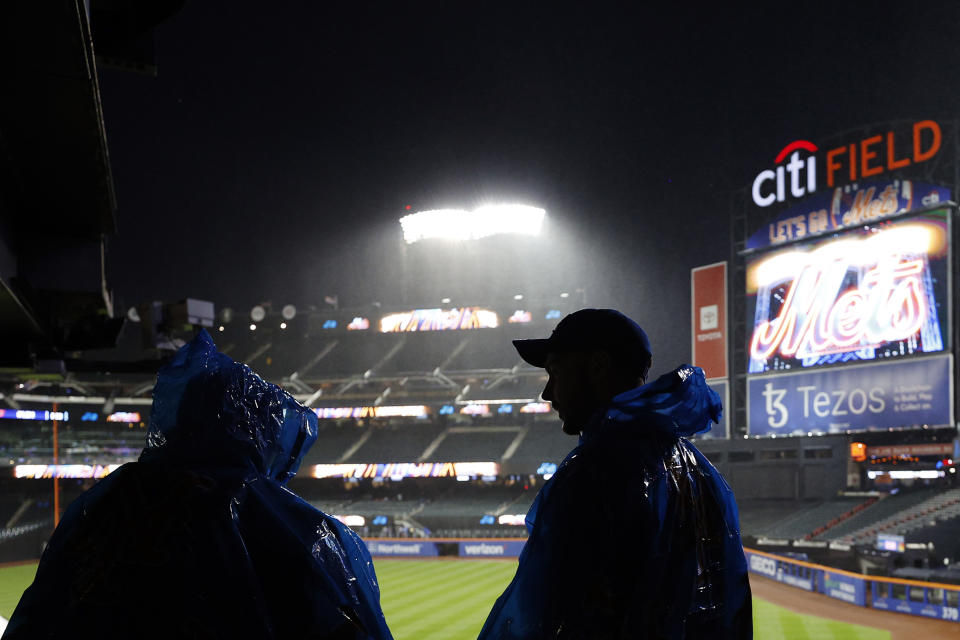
{"x":457,"y":547}
{"x":927,"y":599}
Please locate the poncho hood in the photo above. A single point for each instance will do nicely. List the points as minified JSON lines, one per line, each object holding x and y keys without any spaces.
{"x":212,"y":411}
{"x":679,"y":403}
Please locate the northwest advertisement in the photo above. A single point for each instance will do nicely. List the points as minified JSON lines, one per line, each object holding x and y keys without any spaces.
{"x":401,"y":548}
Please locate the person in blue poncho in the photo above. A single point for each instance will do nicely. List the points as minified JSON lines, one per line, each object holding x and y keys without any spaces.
{"x":636,"y":535}
{"x":199,"y":538}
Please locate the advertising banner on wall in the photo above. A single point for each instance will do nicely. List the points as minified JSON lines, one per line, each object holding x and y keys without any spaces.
{"x":843,"y":586}
{"x":865,"y":397}
{"x":872,"y":293}
{"x":847,"y":207}
{"x":401,"y":548}
{"x":491,"y":548}
{"x":440,"y":320}
{"x":400,"y":470}
{"x":916,"y":608}
{"x":781,"y":570}
{"x":708,"y":293}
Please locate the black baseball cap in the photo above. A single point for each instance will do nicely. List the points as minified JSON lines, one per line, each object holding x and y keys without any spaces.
{"x":606,"y":329}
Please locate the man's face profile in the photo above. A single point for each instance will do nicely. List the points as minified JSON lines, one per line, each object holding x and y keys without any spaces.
{"x":569,"y":389}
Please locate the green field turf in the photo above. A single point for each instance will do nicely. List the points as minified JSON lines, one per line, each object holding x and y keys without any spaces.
{"x":450,"y":599}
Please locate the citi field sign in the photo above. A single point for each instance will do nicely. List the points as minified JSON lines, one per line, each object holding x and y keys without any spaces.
{"x":798,"y":170}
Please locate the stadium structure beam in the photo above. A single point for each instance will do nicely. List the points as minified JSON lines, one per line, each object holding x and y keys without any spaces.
{"x":327,"y":348}
{"x":313,"y":397}
{"x":352,"y":449}
{"x":433,"y":445}
{"x":383,"y":396}
{"x":293,"y":380}
{"x":453,"y":354}
{"x":496,"y":382}
{"x":368,"y":374}
{"x":148,"y":386}
{"x":515,"y":444}
{"x":257,"y":353}
{"x":447,"y":382}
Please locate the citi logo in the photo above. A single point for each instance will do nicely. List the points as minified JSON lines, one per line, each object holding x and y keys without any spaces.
{"x":866,"y":158}
{"x":800,"y":185}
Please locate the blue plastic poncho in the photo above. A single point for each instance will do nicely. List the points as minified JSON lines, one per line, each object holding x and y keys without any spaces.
{"x":637,"y":534}
{"x":199,"y":538}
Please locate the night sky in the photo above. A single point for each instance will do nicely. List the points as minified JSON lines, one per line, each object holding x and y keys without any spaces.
{"x":273,"y":154}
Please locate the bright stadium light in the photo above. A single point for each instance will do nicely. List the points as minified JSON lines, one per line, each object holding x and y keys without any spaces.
{"x":458,"y":224}
{"x":253,"y":327}
{"x":283,"y":325}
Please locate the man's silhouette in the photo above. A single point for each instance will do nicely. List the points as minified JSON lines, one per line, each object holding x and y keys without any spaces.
{"x":637,"y":534}
{"x":199,"y":538}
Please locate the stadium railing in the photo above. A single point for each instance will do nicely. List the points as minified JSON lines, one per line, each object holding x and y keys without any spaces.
{"x":914,"y":597}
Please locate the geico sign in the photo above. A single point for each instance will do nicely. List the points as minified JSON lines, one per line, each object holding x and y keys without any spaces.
{"x":763,"y":565}
{"x":869,"y":157}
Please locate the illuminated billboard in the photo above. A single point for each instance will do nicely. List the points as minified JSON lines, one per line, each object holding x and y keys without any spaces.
{"x":398,"y":470}
{"x":439,"y":320}
{"x":400,"y":411}
{"x":875,"y":292}
{"x":41,"y":471}
{"x":474,"y":409}
{"x":520,"y":317}
{"x":27,"y":414}
{"x":359,"y":323}
{"x":124,"y":416}
{"x":536,"y":407}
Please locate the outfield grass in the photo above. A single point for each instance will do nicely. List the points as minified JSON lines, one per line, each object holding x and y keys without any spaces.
{"x":13,"y":582}
{"x":450,"y":599}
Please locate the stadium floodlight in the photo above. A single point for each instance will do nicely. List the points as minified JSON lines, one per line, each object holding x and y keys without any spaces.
{"x":564,"y":295}
{"x":253,"y":327}
{"x":519,"y":296}
{"x":258,"y":313}
{"x":221,"y":327}
{"x":288,"y":312}
{"x":283,"y":325}
{"x":458,"y":224}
